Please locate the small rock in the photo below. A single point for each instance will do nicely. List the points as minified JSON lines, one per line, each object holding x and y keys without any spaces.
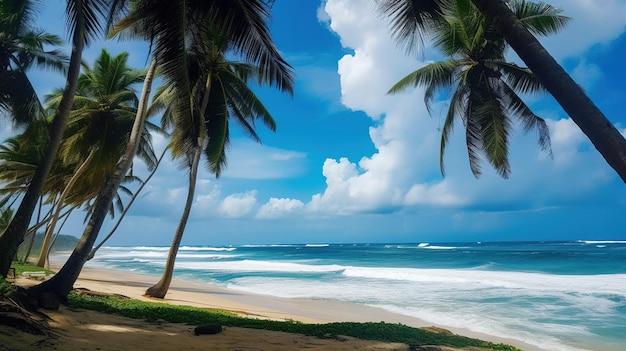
{"x":212,"y":328}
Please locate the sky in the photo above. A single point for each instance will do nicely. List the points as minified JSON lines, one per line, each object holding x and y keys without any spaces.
{"x":350,"y":164}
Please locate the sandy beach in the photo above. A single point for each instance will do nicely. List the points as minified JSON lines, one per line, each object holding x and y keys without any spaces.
{"x":89,"y":330}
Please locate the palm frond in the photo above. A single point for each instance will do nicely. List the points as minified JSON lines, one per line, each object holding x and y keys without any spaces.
{"x":457,"y":101}
{"x":411,"y":19}
{"x":246,"y":25}
{"x":538,"y":17}
{"x":519,"y":78}
{"x":87,"y":17}
{"x":528,"y":119}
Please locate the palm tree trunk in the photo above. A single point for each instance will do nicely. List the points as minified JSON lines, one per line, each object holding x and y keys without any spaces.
{"x":56,"y":236}
{"x":47,"y":240}
{"x":95,"y":249}
{"x":13,"y":236}
{"x":62,"y":282}
{"x":32,"y":233}
{"x":602,"y":133}
{"x":159,"y":289}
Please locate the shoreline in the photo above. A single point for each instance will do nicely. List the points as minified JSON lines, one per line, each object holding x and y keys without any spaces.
{"x":182,"y":292}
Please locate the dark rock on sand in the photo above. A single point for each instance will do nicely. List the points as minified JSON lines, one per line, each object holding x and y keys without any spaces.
{"x":213,"y":328}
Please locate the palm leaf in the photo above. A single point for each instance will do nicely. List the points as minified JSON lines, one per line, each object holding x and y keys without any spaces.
{"x":410,"y":19}
{"x":435,"y":77}
{"x":519,"y":78}
{"x":529,"y":120}
{"x":457,"y":102}
{"x":539,"y":18}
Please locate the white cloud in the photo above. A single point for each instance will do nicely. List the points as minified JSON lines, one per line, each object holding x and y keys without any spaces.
{"x":405,"y":171}
{"x":238,"y":205}
{"x":439,"y":194}
{"x":276,"y":208}
{"x":592,"y":23}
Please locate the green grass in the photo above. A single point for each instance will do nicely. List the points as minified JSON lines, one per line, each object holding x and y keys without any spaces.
{"x":20,"y":268}
{"x":5,"y":287}
{"x":388,"y":332}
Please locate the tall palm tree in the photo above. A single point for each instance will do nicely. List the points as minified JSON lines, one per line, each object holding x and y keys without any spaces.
{"x":85,"y":18}
{"x":104,"y":110}
{"x":483,"y":86}
{"x":165,"y":24}
{"x":220,"y":94}
{"x":22,"y":47}
{"x":411,"y":18}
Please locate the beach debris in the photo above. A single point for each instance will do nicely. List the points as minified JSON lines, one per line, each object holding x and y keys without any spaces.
{"x":85,"y":291}
{"x":35,"y":275}
{"x":212,"y":328}
{"x":434,"y":329}
{"x":15,"y":316}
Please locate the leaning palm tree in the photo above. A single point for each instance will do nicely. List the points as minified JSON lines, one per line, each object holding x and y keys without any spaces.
{"x":221,"y":94}
{"x":410,"y":20}
{"x":163,"y":23}
{"x":85,"y":18}
{"x":483,"y":86}
{"x":105,"y":106}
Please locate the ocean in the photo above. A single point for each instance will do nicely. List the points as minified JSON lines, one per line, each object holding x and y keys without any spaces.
{"x":561,"y":296}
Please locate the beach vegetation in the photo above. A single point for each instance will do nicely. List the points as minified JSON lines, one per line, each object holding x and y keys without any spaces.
{"x":21,"y":268}
{"x":412,"y":21}
{"x":387,"y":332}
{"x":5,"y":287}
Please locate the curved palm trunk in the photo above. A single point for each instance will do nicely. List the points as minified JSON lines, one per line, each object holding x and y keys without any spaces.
{"x":159,"y":289}
{"x":602,"y":133}
{"x":95,"y":249}
{"x":62,"y":282}
{"x":13,"y":236}
{"x":47,"y":239}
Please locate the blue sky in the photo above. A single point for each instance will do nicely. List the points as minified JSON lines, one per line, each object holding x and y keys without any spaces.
{"x":351,"y":164}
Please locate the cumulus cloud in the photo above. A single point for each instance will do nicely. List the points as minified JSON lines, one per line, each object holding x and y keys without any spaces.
{"x":276,"y":208}
{"x":238,"y":205}
{"x":404,"y":169}
{"x":592,"y":23}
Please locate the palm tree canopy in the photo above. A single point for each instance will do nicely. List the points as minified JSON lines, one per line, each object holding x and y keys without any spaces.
{"x":220,"y":93}
{"x":101,"y":120}
{"x":169,"y":26}
{"x":484,"y":87}
{"x":22,"y":47}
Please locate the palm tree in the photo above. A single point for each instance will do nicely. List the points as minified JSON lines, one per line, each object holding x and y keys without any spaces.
{"x":485,"y":87}
{"x":22,"y":47}
{"x":84,"y":19}
{"x":128,"y":206}
{"x":410,"y":19}
{"x":164,"y":24}
{"x":220,"y":93}
{"x":105,"y":106}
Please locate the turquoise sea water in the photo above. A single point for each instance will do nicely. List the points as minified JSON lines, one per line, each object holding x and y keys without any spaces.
{"x":556,"y":295}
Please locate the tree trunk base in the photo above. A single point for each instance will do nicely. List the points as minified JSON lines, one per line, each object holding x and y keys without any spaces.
{"x":156,"y":291}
